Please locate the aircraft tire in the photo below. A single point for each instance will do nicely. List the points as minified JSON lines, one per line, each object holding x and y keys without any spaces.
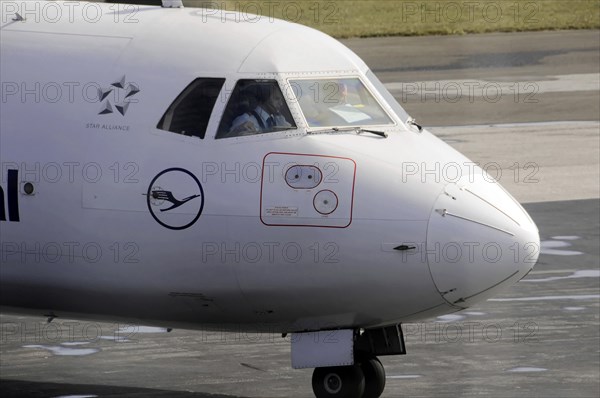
{"x":374,"y":377}
{"x":338,"y":382}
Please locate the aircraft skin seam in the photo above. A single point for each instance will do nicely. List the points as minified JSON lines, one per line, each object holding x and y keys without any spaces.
{"x":489,"y":288}
{"x":495,"y":207}
{"x":258,"y":45}
{"x":447,"y":213}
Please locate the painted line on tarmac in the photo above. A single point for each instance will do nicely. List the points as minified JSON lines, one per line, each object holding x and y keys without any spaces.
{"x":543,"y":298}
{"x":504,"y":85}
{"x":594,"y":124}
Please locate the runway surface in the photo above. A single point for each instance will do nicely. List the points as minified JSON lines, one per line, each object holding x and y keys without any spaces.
{"x":540,"y":338}
{"x":492,"y":78}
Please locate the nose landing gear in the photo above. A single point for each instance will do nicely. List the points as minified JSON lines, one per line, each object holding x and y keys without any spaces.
{"x":365,"y":379}
{"x":338,"y":381}
{"x":345,"y":360}
{"x":374,"y":377}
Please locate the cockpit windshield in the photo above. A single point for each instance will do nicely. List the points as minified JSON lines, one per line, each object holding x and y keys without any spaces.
{"x":338,"y":102}
{"x":255,"y":107}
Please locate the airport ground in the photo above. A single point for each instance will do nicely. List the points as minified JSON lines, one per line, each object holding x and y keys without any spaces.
{"x":526,"y":103}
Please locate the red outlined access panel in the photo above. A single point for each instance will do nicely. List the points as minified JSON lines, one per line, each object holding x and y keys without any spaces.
{"x":303,"y":190}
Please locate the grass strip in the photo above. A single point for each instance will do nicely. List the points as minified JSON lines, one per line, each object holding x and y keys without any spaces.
{"x":368,"y":18}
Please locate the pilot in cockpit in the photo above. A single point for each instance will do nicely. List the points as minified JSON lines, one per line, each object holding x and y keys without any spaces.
{"x":266,"y":116}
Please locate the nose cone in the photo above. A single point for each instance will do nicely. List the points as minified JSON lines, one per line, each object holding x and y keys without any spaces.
{"x":479,"y":240}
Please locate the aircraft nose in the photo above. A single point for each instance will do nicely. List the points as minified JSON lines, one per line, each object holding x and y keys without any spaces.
{"x":479,"y":240}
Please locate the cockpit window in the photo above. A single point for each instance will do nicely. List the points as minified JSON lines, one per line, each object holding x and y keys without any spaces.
{"x":387,"y":96}
{"x":338,"y":102}
{"x":190,"y":113}
{"x":255,"y":107}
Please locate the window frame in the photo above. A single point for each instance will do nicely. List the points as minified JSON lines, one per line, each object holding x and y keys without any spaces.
{"x":189,"y":89}
{"x":378,"y":99}
{"x":276,"y":79}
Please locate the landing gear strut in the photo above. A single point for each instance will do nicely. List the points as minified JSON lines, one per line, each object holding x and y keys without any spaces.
{"x":347,"y":366}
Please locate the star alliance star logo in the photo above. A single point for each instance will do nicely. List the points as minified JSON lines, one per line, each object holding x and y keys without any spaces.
{"x":123,"y":93}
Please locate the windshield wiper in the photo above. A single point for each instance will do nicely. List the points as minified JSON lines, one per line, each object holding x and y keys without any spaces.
{"x":376,"y":132}
{"x":357,"y":130}
{"x":412,"y":122}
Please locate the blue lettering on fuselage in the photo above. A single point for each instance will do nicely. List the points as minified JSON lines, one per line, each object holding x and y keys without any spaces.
{"x":11,"y":198}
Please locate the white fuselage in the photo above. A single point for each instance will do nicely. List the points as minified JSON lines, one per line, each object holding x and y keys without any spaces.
{"x":257,"y":253}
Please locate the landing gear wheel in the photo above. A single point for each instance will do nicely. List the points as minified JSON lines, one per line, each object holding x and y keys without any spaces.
{"x":338,"y":382}
{"x":374,"y":377}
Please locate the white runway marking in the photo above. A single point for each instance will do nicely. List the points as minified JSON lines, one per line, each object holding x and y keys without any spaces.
{"x":457,"y":317}
{"x":449,"y":318}
{"x":141,"y":329}
{"x":542,"y":298}
{"x":64,"y":351}
{"x":118,"y":339}
{"x":589,"y":124}
{"x":404,"y":377}
{"x":553,"y":247}
{"x":77,"y":396}
{"x":505,"y":86}
{"x":588,"y":273}
{"x":75,"y":343}
{"x":524,"y":369}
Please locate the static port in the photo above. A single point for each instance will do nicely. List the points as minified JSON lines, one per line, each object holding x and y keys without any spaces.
{"x":28,"y":188}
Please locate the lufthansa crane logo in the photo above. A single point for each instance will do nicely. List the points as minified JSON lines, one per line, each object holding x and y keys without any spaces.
{"x":175,"y":198}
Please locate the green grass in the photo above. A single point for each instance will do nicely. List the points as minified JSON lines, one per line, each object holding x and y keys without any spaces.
{"x":367,"y":18}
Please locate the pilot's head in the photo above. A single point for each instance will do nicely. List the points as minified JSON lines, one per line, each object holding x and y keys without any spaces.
{"x":343,"y":93}
{"x":337,"y":93}
{"x":333,"y":93}
{"x":276,"y":101}
{"x":270,"y":98}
